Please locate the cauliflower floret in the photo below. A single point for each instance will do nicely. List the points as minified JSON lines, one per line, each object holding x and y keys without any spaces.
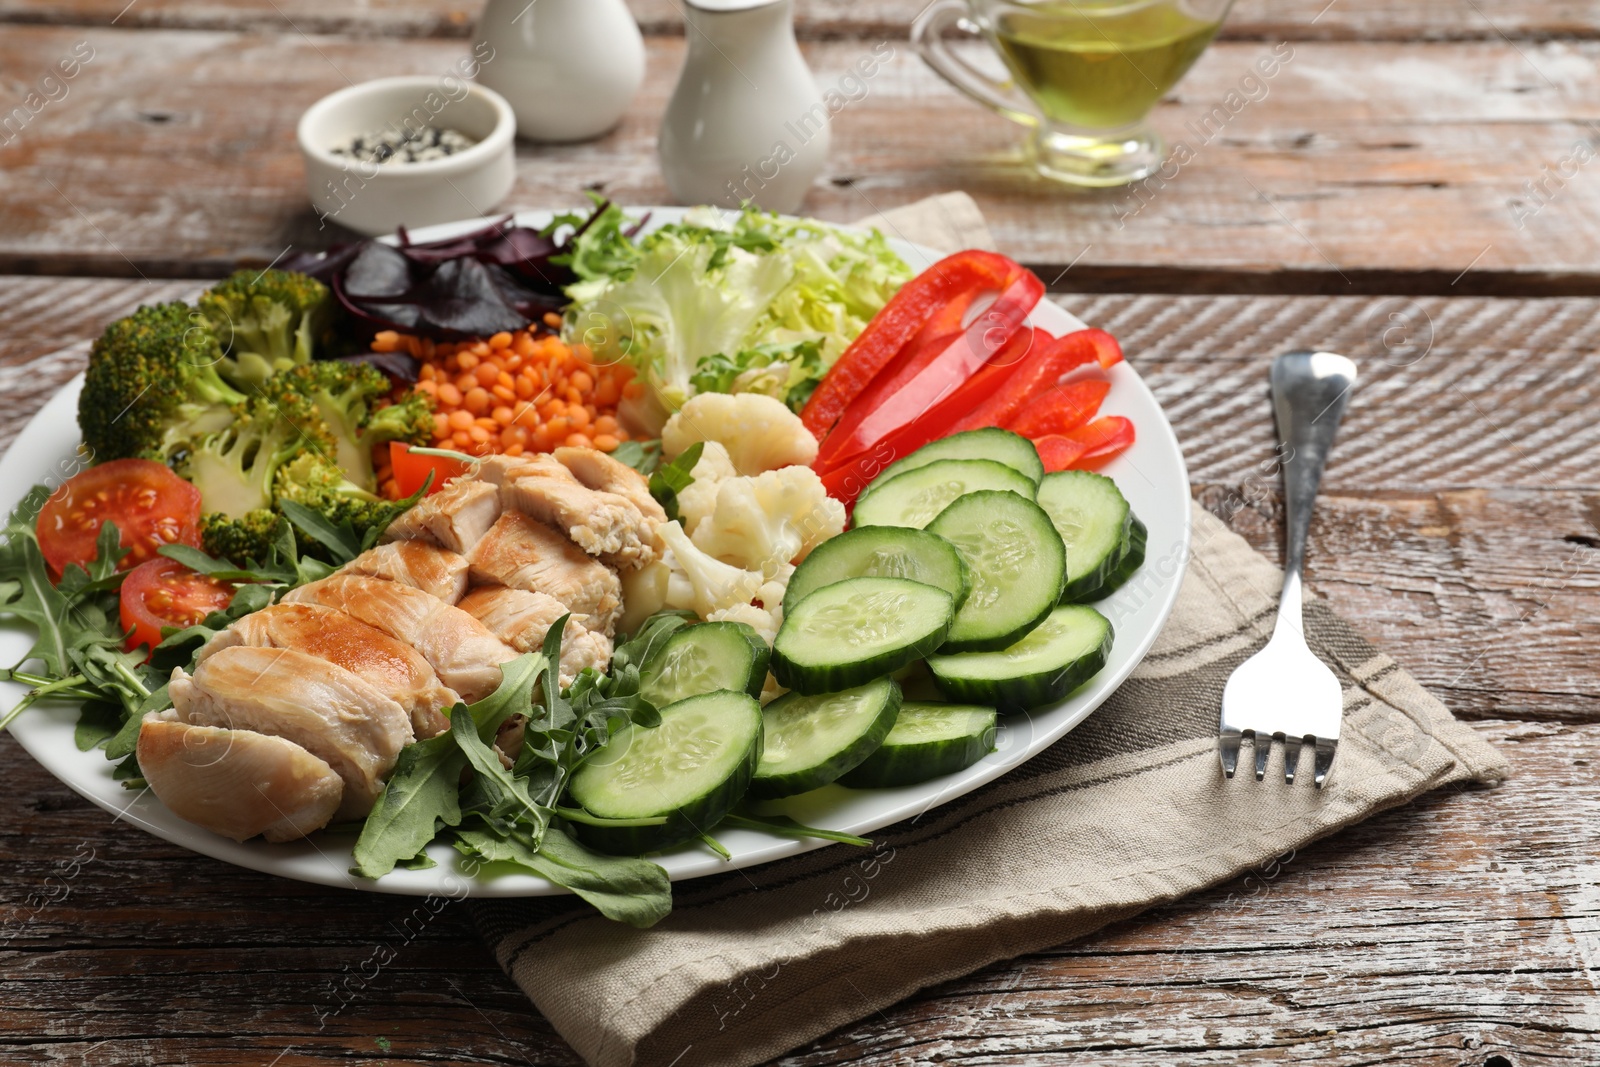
{"x":699,"y":583}
{"x":699,"y":500}
{"x":760,"y":620}
{"x":644,"y":592}
{"x":770,"y":521}
{"x":759,"y":432}
{"x":766,"y":615}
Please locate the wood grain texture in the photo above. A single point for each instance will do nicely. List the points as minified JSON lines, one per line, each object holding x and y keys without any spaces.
{"x":1457,"y":929}
{"x":1371,"y":167}
{"x":822,"y":19}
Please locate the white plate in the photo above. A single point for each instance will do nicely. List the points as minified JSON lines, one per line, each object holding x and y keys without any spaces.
{"x":1151,"y":475}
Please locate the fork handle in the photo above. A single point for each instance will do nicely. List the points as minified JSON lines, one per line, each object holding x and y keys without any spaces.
{"x":1309,"y":394}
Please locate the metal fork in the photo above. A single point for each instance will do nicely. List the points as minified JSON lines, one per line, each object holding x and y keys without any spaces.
{"x":1285,"y":690}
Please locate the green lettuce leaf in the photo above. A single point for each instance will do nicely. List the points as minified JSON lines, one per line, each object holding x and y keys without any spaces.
{"x":708,"y":304}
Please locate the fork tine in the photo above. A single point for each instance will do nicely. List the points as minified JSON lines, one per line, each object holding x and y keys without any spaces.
{"x":1326,"y":747}
{"x":1228,"y":749}
{"x":1263,"y":754}
{"x":1291,"y":757}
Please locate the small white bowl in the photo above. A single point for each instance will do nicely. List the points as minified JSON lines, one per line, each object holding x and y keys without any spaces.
{"x":374,"y":199}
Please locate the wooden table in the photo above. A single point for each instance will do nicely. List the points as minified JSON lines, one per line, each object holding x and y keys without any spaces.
{"x":1373,"y":201}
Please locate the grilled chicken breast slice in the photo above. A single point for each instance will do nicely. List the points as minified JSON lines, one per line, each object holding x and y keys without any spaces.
{"x":521,"y":553}
{"x":324,"y":709}
{"x":455,"y":517}
{"x":392,"y":667}
{"x":602,"y":524}
{"x":237,"y":783}
{"x":464,"y":654}
{"x":421,"y":564}
{"x":522,"y":619}
{"x":599,"y":471}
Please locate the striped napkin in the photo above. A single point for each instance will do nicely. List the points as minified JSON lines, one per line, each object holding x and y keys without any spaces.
{"x":1128,"y":811}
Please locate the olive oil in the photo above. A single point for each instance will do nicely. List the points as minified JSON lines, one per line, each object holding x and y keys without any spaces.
{"x":1099,"y":66}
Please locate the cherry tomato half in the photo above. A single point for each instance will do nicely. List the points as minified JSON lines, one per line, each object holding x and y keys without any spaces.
{"x":411,"y":470}
{"x":150,"y":505}
{"x":163,"y":592}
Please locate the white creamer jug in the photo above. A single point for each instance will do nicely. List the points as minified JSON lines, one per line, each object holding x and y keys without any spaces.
{"x":747,"y":121}
{"x":569,"y":68}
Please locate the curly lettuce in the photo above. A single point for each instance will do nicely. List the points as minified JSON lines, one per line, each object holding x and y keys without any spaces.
{"x":755,"y":303}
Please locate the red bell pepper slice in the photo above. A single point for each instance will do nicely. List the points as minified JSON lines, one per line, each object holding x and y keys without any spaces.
{"x":411,"y":470}
{"x":846,"y":481}
{"x":1038,"y":373}
{"x":1058,"y":452}
{"x":1096,"y":444}
{"x":1061,"y":409}
{"x":947,"y":282}
{"x":907,"y":391}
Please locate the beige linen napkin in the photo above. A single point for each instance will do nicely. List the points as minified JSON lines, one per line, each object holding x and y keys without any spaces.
{"x":1129,"y":810}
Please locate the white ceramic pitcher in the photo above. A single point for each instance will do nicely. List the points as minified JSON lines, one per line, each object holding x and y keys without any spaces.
{"x":569,"y":68}
{"x":747,"y":121}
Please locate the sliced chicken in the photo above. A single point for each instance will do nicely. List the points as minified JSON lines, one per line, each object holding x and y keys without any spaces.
{"x":602,"y":524}
{"x":523,"y":554}
{"x":522,"y":619}
{"x":464,"y":654}
{"x":599,"y":471}
{"x":324,"y":709}
{"x":392,"y":667}
{"x":455,"y":517}
{"x":237,"y":783}
{"x":416,"y":563}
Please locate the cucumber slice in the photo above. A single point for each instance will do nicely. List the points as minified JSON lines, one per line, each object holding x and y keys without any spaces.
{"x":917,"y":496}
{"x":881,"y":552}
{"x":1017,"y":564}
{"x":692,"y":768}
{"x":1094,"y":522}
{"x":703,"y":658}
{"x":1132,"y":560}
{"x":1002,"y":446}
{"x":848,"y":633}
{"x":808,"y":741}
{"x":929,"y":740}
{"x":1062,"y":653}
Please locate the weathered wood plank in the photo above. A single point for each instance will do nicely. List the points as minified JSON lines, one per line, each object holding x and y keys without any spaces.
{"x":1457,"y":929}
{"x":823,"y":19}
{"x":1363,"y":168}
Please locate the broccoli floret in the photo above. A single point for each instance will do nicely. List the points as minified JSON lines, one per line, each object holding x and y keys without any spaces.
{"x":312,"y":479}
{"x":266,"y":322}
{"x":236,"y":468}
{"x":345,"y":396}
{"x":152,"y":385}
{"x":247,"y":539}
{"x":409,"y":420}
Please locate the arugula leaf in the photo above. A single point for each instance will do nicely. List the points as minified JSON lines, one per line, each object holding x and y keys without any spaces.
{"x":632,"y":891}
{"x":125,"y":740}
{"x":642,"y":456}
{"x":504,"y":797}
{"x":98,"y":723}
{"x":341,"y":539}
{"x":220,"y":569}
{"x":673,"y":478}
{"x":651,"y":637}
{"x":422,"y":794}
{"x":514,"y":694}
{"x":783,"y":826}
{"x":29,"y":593}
